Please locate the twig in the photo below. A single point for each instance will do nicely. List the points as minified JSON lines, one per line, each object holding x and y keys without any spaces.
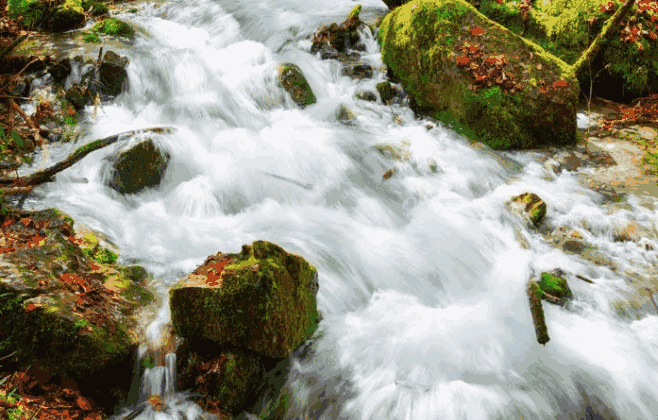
{"x":12,"y":46}
{"x":583,"y":278}
{"x":29,"y":122}
{"x":46,"y":174}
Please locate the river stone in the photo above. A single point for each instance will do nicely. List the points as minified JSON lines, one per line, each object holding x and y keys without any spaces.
{"x":534,"y":104}
{"x":555,"y":285}
{"x":138,"y":167}
{"x":263,"y":299}
{"x":366,"y":95}
{"x":568,"y":239}
{"x":67,"y":17}
{"x":529,"y":207}
{"x":112,"y":74}
{"x":293,"y":81}
{"x":223,"y":379}
{"x":358,"y":71}
{"x":339,"y":37}
{"x":345,"y":115}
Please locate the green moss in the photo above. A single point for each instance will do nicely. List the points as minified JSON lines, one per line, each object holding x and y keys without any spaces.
{"x":33,"y":12}
{"x":98,"y":9}
{"x":113,"y":27}
{"x":356,"y":11}
{"x":555,"y":286}
{"x":417,"y":40}
{"x":293,"y":81}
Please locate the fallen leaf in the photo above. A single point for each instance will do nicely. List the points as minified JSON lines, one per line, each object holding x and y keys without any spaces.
{"x":83,"y":403}
{"x":560,"y":84}
{"x":477,"y":31}
{"x":463,"y":61}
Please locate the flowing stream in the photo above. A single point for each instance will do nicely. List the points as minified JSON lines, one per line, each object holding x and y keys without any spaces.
{"x":422,"y":282}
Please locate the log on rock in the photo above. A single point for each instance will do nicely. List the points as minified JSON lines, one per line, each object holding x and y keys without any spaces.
{"x":537,"y":312}
{"x":47,"y":174}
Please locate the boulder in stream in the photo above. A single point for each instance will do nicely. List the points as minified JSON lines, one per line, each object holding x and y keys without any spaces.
{"x":112,"y":75}
{"x":337,"y":37}
{"x":68,"y":314}
{"x":138,"y":167}
{"x":262,"y":299}
{"x":553,"y":287}
{"x":293,"y":81}
{"x":471,"y":73}
{"x":529,"y":207}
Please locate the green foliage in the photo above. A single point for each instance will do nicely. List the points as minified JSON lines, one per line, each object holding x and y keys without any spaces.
{"x":147,"y":362}
{"x":98,"y":9}
{"x":90,"y":37}
{"x":33,"y":12}
{"x":105,"y":257}
{"x":354,"y":14}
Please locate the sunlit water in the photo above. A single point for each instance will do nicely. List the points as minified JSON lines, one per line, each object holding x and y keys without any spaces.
{"x":422,"y":283}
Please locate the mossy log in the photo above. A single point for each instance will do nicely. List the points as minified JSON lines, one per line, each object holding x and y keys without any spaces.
{"x":607,"y":31}
{"x":537,"y":312}
{"x":47,"y":174}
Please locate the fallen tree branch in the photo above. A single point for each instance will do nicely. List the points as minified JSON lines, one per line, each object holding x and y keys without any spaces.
{"x":594,"y":48}
{"x":47,"y":174}
{"x":583,"y":278}
{"x":12,"y":46}
{"x":29,"y":122}
{"x":537,"y":312}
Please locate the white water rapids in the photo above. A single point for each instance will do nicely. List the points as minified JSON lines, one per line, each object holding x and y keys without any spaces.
{"x":422,"y":283}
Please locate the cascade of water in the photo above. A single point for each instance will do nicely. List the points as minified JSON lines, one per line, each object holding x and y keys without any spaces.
{"x":422,"y":282}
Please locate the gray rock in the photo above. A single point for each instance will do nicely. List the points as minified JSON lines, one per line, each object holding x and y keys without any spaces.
{"x":140,"y":166}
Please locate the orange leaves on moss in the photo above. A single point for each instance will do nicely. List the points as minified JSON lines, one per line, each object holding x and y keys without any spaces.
{"x":477,"y":30}
{"x":463,"y":61}
{"x":559,"y":84}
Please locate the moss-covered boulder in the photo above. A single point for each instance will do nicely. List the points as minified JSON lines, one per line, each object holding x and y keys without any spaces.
{"x":622,"y":71}
{"x":67,"y":16}
{"x":138,"y":167}
{"x":366,"y":95}
{"x":292,"y":79}
{"x":114,"y":27}
{"x":529,"y":207}
{"x":472,"y":73}
{"x":75,"y":317}
{"x":262,"y":299}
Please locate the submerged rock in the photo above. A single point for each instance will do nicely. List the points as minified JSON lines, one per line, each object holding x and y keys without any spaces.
{"x":138,"y":167}
{"x":293,"y":81}
{"x":262,"y":299}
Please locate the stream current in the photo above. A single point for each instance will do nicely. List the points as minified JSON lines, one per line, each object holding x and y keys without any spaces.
{"x":422,"y":282}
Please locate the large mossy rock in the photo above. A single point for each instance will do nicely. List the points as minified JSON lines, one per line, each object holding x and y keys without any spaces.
{"x":68,"y":16}
{"x":262,"y":299}
{"x":624,"y":69}
{"x":529,"y":207}
{"x":64,"y":311}
{"x":291,"y":78}
{"x":473,"y":74}
{"x":138,"y":167}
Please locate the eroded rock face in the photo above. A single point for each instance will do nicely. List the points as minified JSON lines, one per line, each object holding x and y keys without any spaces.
{"x":293,"y":81}
{"x":445,"y":54}
{"x":262,"y":299}
{"x":140,"y":166}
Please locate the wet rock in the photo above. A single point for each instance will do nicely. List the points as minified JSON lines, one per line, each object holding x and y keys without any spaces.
{"x":65,"y":18}
{"x":385,"y":90}
{"x":529,"y":207}
{"x":627,"y":232}
{"x":568,"y":239}
{"x":389,"y":151}
{"x":262,"y":299}
{"x":224,"y":379}
{"x":113,"y":27}
{"x":292,"y":79}
{"x":345,"y":115}
{"x":339,"y":37}
{"x":60,"y":70}
{"x":138,"y":167}
{"x":392,"y":4}
{"x":358,"y":71}
{"x":328,"y":52}
{"x":553,"y":287}
{"x":365,"y":95}
{"x":77,"y":97}
{"x":112,"y":74}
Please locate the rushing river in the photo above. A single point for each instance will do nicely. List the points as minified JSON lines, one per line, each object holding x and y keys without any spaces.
{"x":422,"y":282}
